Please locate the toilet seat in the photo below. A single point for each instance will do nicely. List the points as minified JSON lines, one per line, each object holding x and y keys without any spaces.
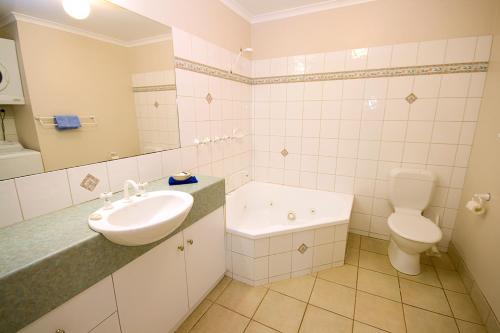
{"x":414,"y":227}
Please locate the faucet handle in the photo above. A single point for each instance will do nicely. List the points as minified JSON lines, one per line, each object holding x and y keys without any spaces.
{"x":142,"y":189}
{"x":106,"y":196}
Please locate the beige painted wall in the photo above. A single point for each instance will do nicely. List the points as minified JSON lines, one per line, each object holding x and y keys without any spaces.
{"x":208,"y":19}
{"x":477,"y":237}
{"x":71,"y":74}
{"x":152,"y":57}
{"x":376,"y":23}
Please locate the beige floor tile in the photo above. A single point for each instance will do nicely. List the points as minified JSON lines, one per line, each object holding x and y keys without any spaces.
{"x":427,"y":276}
{"x":425,"y":259}
{"x":466,"y":327}
{"x":194,"y":316}
{"x":217,"y":291}
{"x":300,"y":287}
{"x":418,"y":320}
{"x":220,"y":320}
{"x":451,"y":280}
{"x":280,"y":312}
{"x":379,"y":312}
{"x":376,"y":262}
{"x":462,"y":307}
{"x":364,"y":328}
{"x":424,"y":296}
{"x":379,"y":284}
{"x":255,"y":327}
{"x":374,"y":245}
{"x":242,"y":298}
{"x":353,"y":240}
{"x":317,"y":320}
{"x":333,"y":297}
{"x":443,"y":262}
{"x":345,"y":275}
{"x":352,"y":256}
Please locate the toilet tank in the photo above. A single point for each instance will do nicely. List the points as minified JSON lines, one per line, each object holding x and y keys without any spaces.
{"x":411,"y":189}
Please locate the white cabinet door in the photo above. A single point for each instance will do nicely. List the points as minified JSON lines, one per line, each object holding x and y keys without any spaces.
{"x":205,"y":254}
{"x":81,"y":313}
{"x":151,"y":291}
{"x":110,"y":325}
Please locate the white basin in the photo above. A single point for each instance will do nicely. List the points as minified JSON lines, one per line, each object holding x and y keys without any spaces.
{"x":142,"y":220}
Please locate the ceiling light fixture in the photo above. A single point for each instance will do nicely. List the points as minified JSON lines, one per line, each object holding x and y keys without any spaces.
{"x":78,"y":9}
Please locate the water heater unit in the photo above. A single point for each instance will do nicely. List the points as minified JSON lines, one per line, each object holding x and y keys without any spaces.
{"x":11,"y":90}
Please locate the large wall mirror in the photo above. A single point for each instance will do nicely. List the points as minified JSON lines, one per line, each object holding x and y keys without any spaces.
{"x":113,"y":69}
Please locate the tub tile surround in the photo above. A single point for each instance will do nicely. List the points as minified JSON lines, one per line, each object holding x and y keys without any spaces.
{"x":275,"y":258}
{"x":361,"y":296}
{"x":345,"y":129}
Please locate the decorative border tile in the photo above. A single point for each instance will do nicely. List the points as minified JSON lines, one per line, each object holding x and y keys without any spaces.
{"x":192,"y":66}
{"x":470,"y":67}
{"x":167,"y":87}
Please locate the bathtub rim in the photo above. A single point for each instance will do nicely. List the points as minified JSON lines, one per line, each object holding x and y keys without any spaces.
{"x":342,"y":219}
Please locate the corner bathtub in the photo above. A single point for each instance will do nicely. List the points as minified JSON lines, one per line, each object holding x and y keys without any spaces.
{"x":276,"y":232}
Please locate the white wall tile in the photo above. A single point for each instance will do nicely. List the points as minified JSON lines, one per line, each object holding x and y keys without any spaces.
{"x":279,"y":66}
{"x":76,"y":175}
{"x":323,"y":254}
{"x":483,"y":48}
{"x":302,"y":261}
{"x":43,"y":193}
{"x":315,"y":63}
{"x":9,"y":204}
{"x":460,"y":50}
{"x":296,"y":65}
{"x":455,"y":85}
{"x":335,"y":61}
{"x":404,"y":55}
{"x":150,"y":167}
{"x":280,"y":244}
{"x":280,"y":264}
{"x":431,"y":52}
{"x":379,"y":57}
{"x":121,"y":170}
{"x":356,"y":59}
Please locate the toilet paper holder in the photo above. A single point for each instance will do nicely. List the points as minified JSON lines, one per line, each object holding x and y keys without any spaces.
{"x":482,"y":196}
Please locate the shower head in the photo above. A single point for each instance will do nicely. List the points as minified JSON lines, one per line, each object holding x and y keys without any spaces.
{"x":242,"y":50}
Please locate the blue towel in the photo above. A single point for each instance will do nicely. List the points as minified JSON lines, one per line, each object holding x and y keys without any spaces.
{"x":67,"y":122}
{"x":190,"y":180}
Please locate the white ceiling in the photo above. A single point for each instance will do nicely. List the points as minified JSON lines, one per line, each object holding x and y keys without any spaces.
{"x":256,"y":11}
{"x":106,"y":20}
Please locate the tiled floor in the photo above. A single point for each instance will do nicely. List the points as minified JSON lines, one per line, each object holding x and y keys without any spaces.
{"x":365,"y":295}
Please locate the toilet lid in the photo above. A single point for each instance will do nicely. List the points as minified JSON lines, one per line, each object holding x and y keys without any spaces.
{"x":415,"y":227}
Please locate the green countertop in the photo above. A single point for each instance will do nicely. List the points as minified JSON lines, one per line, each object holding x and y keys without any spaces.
{"x":47,"y":260}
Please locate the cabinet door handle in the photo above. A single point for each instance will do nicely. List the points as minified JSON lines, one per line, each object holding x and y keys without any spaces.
{"x":190,"y":241}
{"x":180,"y":248}
{"x":60,"y":330}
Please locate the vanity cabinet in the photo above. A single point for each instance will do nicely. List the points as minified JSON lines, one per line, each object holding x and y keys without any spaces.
{"x":151,"y":290}
{"x":81,"y":314}
{"x":155,"y":292}
{"x":205,"y":255}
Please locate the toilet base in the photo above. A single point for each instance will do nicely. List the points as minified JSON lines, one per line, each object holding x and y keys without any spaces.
{"x":404,"y":262}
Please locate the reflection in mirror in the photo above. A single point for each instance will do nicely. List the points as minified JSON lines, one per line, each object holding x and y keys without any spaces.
{"x":113,"y":70}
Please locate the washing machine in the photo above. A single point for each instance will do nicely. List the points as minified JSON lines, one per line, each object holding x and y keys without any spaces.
{"x":11,"y":90}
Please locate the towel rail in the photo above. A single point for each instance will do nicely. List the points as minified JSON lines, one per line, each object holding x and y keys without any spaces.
{"x":48,"y":122}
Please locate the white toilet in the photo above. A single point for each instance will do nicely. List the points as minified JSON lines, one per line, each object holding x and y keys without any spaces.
{"x":411,"y":233}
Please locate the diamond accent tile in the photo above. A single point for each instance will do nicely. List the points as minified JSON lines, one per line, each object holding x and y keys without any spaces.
{"x":156,"y":104}
{"x":302,"y":248}
{"x":411,"y":98}
{"x":89,"y":182}
{"x":209,"y":98}
{"x":284,"y":152}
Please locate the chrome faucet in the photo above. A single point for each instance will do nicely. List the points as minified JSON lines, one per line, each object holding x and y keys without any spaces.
{"x":140,"y":189}
{"x":126,"y":195}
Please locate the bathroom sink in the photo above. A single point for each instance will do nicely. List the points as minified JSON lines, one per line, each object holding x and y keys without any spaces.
{"x":142,"y":219}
